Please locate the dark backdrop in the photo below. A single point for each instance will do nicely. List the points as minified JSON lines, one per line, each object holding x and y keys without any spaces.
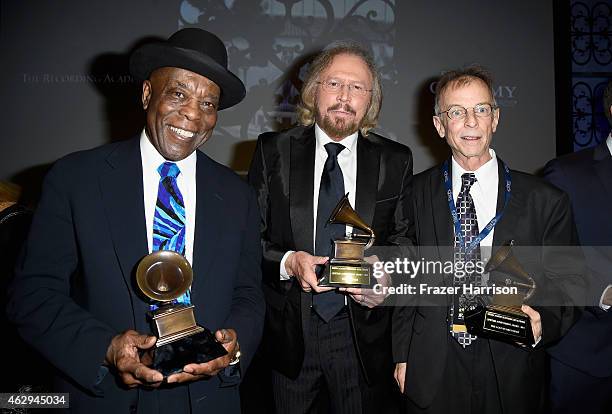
{"x":65,"y":85}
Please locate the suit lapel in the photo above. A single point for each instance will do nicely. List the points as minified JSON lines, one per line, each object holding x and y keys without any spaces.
{"x":368,"y":161}
{"x":603,"y":168}
{"x":443,"y":230}
{"x":499,"y":227}
{"x":443,"y":224}
{"x":503,"y":229}
{"x":208,"y":226}
{"x":122,"y":196}
{"x":301,"y":189}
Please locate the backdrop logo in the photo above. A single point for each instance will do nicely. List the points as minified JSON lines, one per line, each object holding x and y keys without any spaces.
{"x":505,"y":95}
{"x":274,"y":42}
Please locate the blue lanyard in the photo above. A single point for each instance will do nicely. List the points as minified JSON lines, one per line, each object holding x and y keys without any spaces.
{"x":453,"y":210}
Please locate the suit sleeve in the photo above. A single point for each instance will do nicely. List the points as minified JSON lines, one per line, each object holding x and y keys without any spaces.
{"x":599,"y":266}
{"x":248,"y":306}
{"x":258,"y":179}
{"x":402,"y":233}
{"x":403,"y":237}
{"x":561,"y":293}
{"x":554,"y":173}
{"x":40,"y":305}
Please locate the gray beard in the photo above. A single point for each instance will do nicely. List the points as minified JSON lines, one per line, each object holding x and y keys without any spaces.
{"x":338,"y":129}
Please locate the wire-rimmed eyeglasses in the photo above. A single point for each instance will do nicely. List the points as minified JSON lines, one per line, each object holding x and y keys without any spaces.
{"x":456,"y":112}
{"x":335,"y":86}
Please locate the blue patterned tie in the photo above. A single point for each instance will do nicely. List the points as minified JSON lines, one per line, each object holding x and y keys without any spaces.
{"x":331,"y":190}
{"x":469,"y":227}
{"x":169,"y":219}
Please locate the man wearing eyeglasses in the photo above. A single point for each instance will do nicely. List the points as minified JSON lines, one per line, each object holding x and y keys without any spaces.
{"x":321,"y":342}
{"x":473,"y":201}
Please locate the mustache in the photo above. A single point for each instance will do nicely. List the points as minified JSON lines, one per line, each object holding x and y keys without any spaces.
{"x":343,"y":107}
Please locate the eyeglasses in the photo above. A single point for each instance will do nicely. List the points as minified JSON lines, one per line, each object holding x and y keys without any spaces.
{"x":457,"y":112}
{"x":335,"y":86}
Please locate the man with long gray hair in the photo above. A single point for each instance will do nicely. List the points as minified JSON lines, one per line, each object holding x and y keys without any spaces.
{"x":320,"y":341}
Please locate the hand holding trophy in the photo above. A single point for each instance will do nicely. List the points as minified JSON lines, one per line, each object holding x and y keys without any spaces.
{"x":164,"y":276}
{"x":348,"y":268}
{"x":503,"y":319}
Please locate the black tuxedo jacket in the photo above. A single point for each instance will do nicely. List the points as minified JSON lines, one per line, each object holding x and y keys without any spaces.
{"x":282,"y":173}
{"x":587,"y":177}
{"x":75,"y":287}
{"x":537,"y":214}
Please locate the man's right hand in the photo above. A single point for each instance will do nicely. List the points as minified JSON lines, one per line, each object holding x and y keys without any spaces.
{"x":400,"y":375}
{"x":123,"y":354}
{"x":301,"y":265}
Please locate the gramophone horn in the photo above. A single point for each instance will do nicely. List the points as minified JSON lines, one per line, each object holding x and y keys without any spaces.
{"x":504,"y":261}
{"x":164,"y":275}
{"x":345,"y":214}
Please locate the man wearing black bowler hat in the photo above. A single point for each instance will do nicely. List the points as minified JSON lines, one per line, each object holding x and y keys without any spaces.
{"x":74,"y":298}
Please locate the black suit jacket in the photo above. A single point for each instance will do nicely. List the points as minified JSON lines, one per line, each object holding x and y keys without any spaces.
{"x":282,"y":173}
{"x":74,"y":288}
{"x":587,"y":177}
{"x":537,"y":215}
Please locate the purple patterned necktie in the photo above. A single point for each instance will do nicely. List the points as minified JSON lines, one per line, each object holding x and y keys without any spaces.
{"x":466,"y":213}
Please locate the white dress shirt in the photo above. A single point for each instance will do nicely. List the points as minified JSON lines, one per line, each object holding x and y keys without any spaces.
{"x":347,"y":159}
{"x":484,"y":194}
{"x":186,"y":181}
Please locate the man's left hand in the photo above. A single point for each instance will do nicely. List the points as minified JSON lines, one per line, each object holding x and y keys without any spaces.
{"x":367,"y":297}
{"x":193,"y":372}
{"x":536,"y":321}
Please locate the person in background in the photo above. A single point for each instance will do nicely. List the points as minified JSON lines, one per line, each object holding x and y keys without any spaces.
{"x":581,"y":365}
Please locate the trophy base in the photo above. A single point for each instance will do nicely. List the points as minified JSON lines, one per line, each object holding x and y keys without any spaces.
{"x":346,"y":273}
{"x":503,"y":323}
{"x":201,"y":347}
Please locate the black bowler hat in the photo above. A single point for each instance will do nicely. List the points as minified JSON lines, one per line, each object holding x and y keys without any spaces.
{"x":195,"y":50}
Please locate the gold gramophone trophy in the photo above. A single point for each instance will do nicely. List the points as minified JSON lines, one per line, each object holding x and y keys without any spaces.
{"x":348,"y":268}
{"x":503,"y":318}
{"x":163,"y":276}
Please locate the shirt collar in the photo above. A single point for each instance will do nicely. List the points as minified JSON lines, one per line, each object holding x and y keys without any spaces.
{"x":322,"y":138}
{"x":609,"y":142}
{"x":486,"y":174}
{"x":151,"y":159}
